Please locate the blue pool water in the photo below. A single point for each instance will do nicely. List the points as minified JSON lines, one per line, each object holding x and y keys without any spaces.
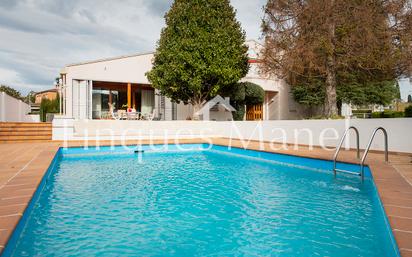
{"x":211,"y":202}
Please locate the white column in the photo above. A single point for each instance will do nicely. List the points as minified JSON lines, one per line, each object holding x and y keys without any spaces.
{"x":3,"y":107}
{"x":60,"y":97}
{"x":266,"y":109}
{"x":90,"y":98}
{"x":19,"y":112}
{"x":64,"y":94}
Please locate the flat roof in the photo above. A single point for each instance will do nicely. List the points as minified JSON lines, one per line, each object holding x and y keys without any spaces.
{"x":48,"y":90}
{"x":109,"y":59}
{"x":131,"y":55}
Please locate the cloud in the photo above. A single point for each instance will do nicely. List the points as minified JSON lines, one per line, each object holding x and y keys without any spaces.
{"x":40,"y":37}
{"x":8,"y":3}
{"x":250,"y":13}
{"x":159,"y":7}
{"x":8,"y":74}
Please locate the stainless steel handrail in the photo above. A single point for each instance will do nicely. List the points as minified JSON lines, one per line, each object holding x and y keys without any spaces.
{"x":340,"y":146}
{"x":369,"y":146}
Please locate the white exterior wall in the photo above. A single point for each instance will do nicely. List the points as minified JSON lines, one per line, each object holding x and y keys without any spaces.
{"x":123,"y":69}
{"x":132,"y":69}
{"x":282,"y":106}
{"x":288,"y":108}
{"x":128,"y":69}
{"x":14,"y":110}
{"x":303,"y":132}
{"x":184,"y":111}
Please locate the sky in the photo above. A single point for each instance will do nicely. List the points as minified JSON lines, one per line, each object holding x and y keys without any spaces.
{"x":39,"y":37}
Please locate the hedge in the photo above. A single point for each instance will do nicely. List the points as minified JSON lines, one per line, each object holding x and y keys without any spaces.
{"x":48,"y":106}
{"x":388,"y":114}
{"x":244,"y":93}
{"x":254,"y":94}
{"x":408,"y":111}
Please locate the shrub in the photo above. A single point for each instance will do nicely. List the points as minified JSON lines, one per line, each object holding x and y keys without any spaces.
{"x":387,"y":114}
{"x":48,"y":106}
{"x":242,"y":94}
{"x":240,"y":111}
{"x":323,"y":117}
{"x":376,"y":115}
{"x":361,"y":111}
{"x":254,"y":94}
{"x":408,"y":111}
{"x":237,"y":93}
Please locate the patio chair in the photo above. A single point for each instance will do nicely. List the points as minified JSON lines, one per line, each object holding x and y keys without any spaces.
{"x":132,"y":115}
{"x":111,"y":114}
{"x":122,"y":114}
{"x":150,"y":116}
{"x":114,"y":116}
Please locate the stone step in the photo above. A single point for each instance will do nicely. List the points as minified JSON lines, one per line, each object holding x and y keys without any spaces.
{"x":24,"y":129}
{"x":24,"y":141}
{"x":25,"y":137}
{"x":26,"y":133}
{"x":24,"y":124}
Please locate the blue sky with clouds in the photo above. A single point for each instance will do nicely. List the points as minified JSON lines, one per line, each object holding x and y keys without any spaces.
{"x":38,"y":37}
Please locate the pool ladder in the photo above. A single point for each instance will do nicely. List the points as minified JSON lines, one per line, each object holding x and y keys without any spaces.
{"x":361,"y":173}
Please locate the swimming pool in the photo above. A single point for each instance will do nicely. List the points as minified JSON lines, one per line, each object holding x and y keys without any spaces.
{"x":200,"y":202}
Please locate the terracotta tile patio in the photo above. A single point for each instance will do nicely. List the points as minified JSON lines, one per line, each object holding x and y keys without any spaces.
{"x":22,"y":166}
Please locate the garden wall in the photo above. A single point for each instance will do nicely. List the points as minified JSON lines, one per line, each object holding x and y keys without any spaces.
{"x":325,"y":133}
{"x":14,"y":110}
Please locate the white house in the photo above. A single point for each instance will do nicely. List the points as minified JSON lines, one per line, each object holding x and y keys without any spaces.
{"x":89,"y":89}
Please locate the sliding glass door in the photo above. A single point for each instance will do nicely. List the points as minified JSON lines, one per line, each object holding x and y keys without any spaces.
{"x":81,"y":99}
{"x":109,"y":97}
{"x":148,"y":101}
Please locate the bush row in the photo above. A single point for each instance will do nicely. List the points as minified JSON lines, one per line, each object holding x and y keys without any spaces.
{"x":393,"y":114}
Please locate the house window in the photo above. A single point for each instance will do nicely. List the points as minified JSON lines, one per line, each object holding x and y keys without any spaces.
{"x":100,"y":102}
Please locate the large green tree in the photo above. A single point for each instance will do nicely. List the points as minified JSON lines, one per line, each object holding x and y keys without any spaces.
{"x":332,"y":50}
{"x":201,"y":51}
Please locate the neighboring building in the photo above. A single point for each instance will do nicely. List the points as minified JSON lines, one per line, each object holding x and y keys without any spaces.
{"x":405,"y":86}
{"x":91,"y":90}
{"x":50,"y":94}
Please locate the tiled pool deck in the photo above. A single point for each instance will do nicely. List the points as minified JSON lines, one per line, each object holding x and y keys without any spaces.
{"x":22,"y":166}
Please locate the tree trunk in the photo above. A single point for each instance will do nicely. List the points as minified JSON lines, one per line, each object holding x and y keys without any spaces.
{"x":197,"y":105}
{"x":331,"y":108}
